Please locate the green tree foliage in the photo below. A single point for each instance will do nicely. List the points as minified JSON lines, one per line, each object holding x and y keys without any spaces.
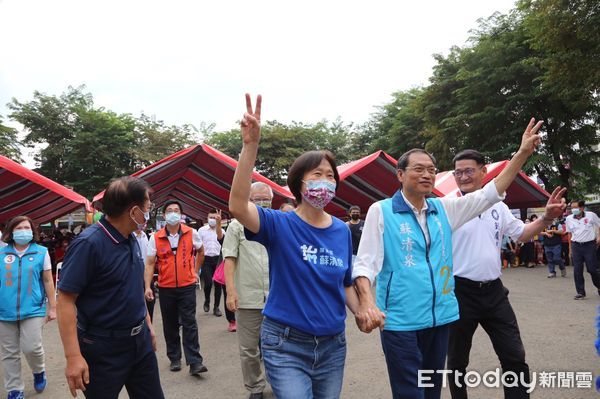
{"x":85,"y":146}
{"x":281,"y":144}
{"x":155,"y":140}
{"x":483,"y":95}
{"x":9,"y":143}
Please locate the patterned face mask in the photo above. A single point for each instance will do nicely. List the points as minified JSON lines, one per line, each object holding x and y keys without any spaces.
{"x":319,"y":193}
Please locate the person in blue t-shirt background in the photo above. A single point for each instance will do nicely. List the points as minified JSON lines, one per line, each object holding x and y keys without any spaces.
{"x":302,"y":335}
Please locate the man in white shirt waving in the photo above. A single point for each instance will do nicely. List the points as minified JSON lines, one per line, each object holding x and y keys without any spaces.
{"x":482,"y":299}
{"x":584,"y":227}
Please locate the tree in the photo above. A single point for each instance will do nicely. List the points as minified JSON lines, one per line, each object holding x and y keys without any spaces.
{"x":9,"y":143}
{"x":483,"y":95}
{"x":54,"y":122}
{"x":281,"y":144}
{"x":155,"y":141}
{"x":400,"y":124}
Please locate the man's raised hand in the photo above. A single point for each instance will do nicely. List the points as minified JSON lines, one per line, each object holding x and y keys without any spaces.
{"x":531,"y":138}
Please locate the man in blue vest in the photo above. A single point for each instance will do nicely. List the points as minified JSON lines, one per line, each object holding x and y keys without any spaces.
{"x":407,"y":244}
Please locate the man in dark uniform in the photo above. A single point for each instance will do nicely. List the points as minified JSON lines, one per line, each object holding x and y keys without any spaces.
{"x":108,"y":339}
{"x":356,"y":228}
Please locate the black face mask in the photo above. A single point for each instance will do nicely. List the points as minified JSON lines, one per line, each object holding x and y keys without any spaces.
{"x":355,"y":217}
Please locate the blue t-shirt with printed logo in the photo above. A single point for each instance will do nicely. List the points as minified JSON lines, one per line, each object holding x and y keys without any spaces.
{"x":308,"y":270}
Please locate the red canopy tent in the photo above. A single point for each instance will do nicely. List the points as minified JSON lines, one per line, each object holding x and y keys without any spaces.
{"x":25,"y":192}
{"x":200,"y":178}
{"x":522,"y":193}
{"x":365,"y":181}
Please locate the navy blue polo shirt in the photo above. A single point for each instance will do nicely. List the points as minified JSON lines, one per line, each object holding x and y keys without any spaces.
{"x":107,"y":271}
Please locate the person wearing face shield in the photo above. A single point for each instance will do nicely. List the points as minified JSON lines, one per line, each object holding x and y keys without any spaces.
{"x":107,"y":335}
{"x":247,"y":284}
{"x":584,"y":227}
{"x":302,"y":335}
{"x":171,"y":251}
{"x":25,"y":287}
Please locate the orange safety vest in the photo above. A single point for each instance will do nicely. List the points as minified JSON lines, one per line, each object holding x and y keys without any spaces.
{"x":175,"y":270}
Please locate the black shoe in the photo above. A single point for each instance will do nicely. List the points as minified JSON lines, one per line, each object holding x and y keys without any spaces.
{"x":579,"y":296}
{"x":256,"y":396}
{"x":197,"y":369}
{"x":206,"y":307}
{"x":175,"y":365}
{"x":217,"y":312}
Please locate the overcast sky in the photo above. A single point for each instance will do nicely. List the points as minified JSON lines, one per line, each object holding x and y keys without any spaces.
{"x":192,"y":61}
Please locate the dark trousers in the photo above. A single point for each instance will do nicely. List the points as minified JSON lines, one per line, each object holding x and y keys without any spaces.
{"x":178,"y":305}
{"x":584,"y":252}
{"x":526,"y":254}
{"x":407,"y":352}
{"x":208,"y":270}
{"x":487,"y":305}
{"x":565,"y":253}
{"x":228,"y":313}
{"x":118,"y":362}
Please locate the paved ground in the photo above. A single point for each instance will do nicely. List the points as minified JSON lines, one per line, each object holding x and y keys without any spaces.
{"x":558,"y":333}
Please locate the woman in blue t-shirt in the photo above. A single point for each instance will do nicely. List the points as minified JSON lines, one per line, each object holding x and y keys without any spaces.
{"x":302,"y":335}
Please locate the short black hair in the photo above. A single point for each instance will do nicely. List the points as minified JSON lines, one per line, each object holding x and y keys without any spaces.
{"x":305,"y":163}
{"x":354,"y":208}
{"x":403,"y":160}
{"x":470,"y":154}
{"x":579,"y":202}
{"x":123,"y":193}
{"x":212,"y":210}
{"x":171,"y":202}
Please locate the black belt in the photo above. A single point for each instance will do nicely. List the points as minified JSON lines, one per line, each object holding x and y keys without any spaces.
{"x":582,"y":243}
{"x":476,"y":284}
{"x":102,"y":332}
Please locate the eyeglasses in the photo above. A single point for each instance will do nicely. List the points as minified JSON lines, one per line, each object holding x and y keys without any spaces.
{"x":469,"y":172}
{"x":422,"y":169}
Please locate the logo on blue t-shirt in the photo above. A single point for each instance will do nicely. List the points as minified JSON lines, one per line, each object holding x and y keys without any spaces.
{"x":322,"y":256}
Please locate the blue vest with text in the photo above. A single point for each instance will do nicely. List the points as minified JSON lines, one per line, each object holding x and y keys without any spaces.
{"x":22,"y":293}
{"x":415,"y":287}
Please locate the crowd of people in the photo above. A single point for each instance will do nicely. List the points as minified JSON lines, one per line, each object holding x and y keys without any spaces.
{"x":424,"y":271}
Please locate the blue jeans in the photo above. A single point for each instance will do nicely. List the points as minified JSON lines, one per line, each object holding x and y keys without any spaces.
{"x":300,"y":365}
{"x":554,"y":257}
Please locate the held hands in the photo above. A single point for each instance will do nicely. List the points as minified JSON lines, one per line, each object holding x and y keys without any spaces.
{"x":554,"y":207}
{"x":250,"y":124}
{"x":368,"y":317}
{"x":531,"y":138}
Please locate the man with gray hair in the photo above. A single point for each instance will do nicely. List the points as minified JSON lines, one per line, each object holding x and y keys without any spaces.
{"x":247,"y":283}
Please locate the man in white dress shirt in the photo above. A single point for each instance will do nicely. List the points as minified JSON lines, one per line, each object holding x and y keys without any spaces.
{"x":212,"y":236}
{"x":584,"y":227}
{"x":407,"y":243}
{"x":482,"y":299}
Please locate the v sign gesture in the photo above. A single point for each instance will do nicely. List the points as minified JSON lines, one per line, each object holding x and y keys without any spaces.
{"x":250,"y":123}
{"x":239,"y":196}
{"x":531,"y":138}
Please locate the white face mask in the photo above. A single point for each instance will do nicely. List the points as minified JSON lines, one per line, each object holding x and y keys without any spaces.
{"x":173,"y":218}
{"x":212,"y":222}
{"x":140,"y":226}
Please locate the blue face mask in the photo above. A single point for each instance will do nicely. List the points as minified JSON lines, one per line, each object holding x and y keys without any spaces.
{"x":173,"y":218}
{"x":22,"y":237}
{"x":575,"y":211}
